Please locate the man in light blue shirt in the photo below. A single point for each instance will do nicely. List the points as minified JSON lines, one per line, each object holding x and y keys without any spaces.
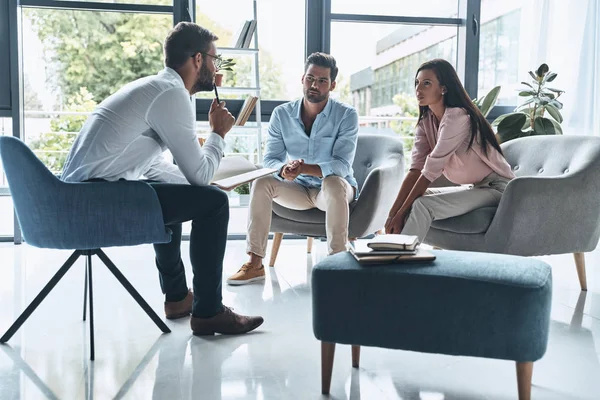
{"x":312,"y":142}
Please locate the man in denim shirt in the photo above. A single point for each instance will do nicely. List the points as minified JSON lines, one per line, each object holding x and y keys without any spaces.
{"x":312,"y":141}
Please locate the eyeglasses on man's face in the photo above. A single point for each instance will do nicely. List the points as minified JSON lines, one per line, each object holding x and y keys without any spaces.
{"x":218,"y":61}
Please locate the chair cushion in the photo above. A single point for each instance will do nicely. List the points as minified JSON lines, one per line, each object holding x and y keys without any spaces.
{"x":463,"y":303}
{"x":312,"y":216}
{"x":477,"y":221}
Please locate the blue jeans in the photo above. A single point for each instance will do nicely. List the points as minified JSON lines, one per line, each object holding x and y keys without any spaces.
{"x":208,"y":209}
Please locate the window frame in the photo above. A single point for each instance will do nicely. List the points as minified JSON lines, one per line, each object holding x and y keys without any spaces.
{"x":318,"y":19}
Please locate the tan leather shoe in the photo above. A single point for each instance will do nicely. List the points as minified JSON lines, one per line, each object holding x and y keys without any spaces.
{"x":226,"y":322}
{"x":179,"y":309}
{"x":247,"y":274}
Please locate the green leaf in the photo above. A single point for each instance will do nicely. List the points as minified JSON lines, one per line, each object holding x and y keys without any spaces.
{"x":557,"y":104}
{"x":525,"y":104}
{"x":543,"y":126}
{"x":533,"y":76}
{"x":550,"y":77}
{"x":553,"y":111}
{"x":527,"y":124}
{"x":527,"y":93}
{"x":489,"y":100}
{"x":502,"y":117}
{"x":557,"y":127}
{"x":542,"y":70}
{"x":530,"y":85}
{"x":510,"y":126}
{"x":555,"y":90}
{"x":548,"y":94}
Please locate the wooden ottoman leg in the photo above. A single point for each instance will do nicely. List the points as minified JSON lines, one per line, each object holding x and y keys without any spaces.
{"x":327,"y":353}
{"x":524,"y":372}
{"x":309,"y":245}
{"x":580,"y":264}
{"x":277,"y":237}
{"x":355,"y":356}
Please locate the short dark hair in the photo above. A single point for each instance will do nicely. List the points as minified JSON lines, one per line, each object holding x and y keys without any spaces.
{"x":185,"y":40}
{"x":322,"y":60}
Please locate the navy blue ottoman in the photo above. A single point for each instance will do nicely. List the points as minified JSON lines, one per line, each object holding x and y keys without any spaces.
{"x":463,"y":303}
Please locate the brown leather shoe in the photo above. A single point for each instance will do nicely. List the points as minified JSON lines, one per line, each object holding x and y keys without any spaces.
{"x":179,"y":309}
{"x":226,"y":322}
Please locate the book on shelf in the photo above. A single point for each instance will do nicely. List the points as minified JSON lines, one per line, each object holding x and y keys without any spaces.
{"x":394,"y":242}
{"x":241,"y":35}
{"x":249,"y":34}
{"x":246,"y":110}
{"x":237,"y":170}
{"x":245,"y":34}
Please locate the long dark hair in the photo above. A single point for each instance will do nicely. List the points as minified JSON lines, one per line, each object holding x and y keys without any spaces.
{"x":456,"y":96}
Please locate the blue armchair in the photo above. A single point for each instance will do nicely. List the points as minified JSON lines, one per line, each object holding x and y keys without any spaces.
{"x":83,"y":217}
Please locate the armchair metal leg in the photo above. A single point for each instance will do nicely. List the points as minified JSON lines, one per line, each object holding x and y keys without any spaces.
{"x":580,"y":264}
{"x":277,"y":238}
{"x":40,"y":297}
{"x":138,"y":298}
{"x":89,"y":279}
{"x":85,"y":286}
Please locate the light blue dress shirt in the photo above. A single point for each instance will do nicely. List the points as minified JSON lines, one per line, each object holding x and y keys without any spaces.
{"x":331,"y":144}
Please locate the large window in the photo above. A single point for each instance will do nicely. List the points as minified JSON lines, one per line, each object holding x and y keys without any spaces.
{"x":430,"y":8}
{"x":72,"y":60}
{"x":280,"y":27}
{"x":379,"y":80}
{"x":149,"y":2}
{"x":499,"y":49}
{"x":6,"y":207}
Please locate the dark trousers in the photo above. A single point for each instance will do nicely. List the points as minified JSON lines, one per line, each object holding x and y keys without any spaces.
{"x":208,"y":209}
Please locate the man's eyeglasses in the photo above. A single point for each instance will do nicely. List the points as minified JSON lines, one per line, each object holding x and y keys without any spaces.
{"x":217,"y":60}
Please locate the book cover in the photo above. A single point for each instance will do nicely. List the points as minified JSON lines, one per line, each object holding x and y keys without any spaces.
{"x":394,"y":242}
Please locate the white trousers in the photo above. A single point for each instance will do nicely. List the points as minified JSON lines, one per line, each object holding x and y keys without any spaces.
{"x":334,"y":197}
{"x":448,"y":202}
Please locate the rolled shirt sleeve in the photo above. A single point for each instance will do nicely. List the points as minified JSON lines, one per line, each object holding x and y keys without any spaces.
{"x":275,"y":150}
{"x":344,"y":147}
{"x":454,"y":129}
{"x":171,"y":117}
{"x":420,"y":150}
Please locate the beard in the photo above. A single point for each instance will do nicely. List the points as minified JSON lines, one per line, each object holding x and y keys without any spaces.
{"x":205,"y":80}
{"x":313,"y":97}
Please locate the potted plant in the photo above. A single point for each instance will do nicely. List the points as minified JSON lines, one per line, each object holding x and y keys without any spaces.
{"x":226,"y":64}
{"x":487,"y":102}
{"x":530,"y":118}
{"x":244,"y":192}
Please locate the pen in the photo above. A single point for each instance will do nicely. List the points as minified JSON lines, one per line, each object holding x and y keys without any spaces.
{"x":216,"y":94}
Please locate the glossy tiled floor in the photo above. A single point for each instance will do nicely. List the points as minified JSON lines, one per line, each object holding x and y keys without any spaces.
{"x":48,"y":357}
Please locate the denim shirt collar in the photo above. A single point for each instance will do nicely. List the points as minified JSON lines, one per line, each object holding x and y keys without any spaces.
{"x":298,"y":108}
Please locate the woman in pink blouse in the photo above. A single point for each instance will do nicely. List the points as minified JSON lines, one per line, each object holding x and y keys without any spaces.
{"x":452,"y":138}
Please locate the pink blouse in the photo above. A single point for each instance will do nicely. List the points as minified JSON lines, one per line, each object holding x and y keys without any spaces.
{"x":443,"y":150}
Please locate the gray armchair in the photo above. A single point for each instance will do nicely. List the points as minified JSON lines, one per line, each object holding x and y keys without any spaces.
{"x":552,"y":207}
{"x":378,"y":169}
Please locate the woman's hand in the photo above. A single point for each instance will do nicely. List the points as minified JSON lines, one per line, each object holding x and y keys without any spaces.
{"x":395,"y":224}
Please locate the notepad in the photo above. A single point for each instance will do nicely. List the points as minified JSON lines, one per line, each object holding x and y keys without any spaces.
{"x":394,"y":242}
{"x":237,"y":170}
{"x":419,"y":257}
